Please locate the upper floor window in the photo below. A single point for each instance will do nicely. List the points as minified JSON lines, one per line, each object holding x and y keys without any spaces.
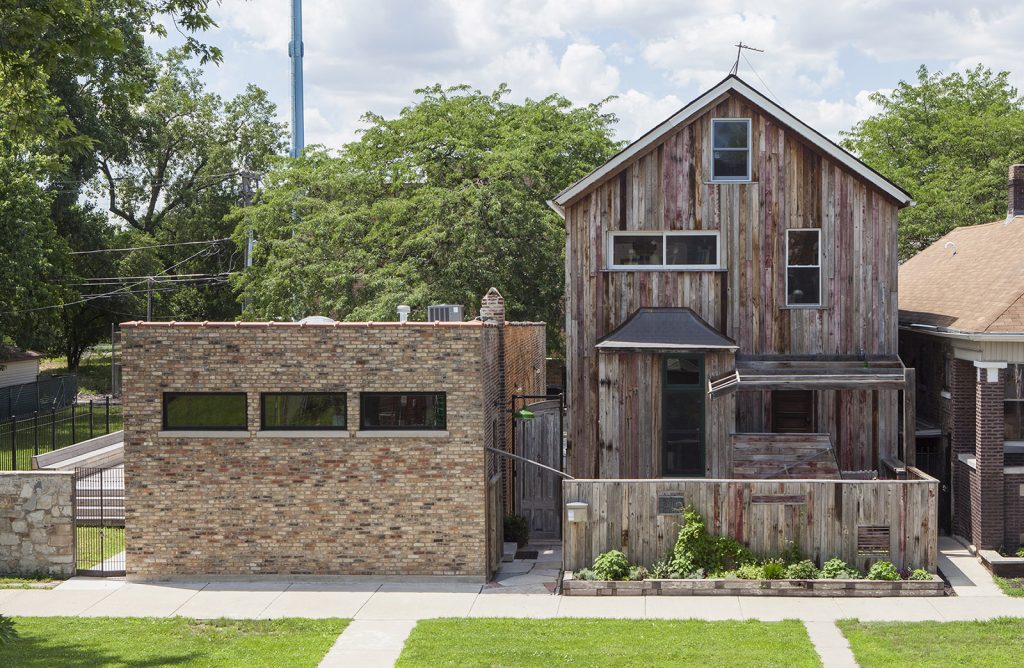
{"x":803,"y":267}
{"x":402,"y":410}
{"x":730,"y":142}
{"x":204,"y":411}
{"x":689,"y":250}
{"x":303,"y":410}
{"x":1013,"y":405}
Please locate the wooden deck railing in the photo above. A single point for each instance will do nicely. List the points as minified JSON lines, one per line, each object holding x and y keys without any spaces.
{"x":826,"y":518}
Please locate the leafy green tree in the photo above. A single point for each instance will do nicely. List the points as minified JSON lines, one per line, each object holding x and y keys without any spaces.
{"x":948,"y":139}
{"x":436,"y":205}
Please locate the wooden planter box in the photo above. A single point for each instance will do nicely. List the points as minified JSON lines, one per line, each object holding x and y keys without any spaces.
{"x":845,"y":588}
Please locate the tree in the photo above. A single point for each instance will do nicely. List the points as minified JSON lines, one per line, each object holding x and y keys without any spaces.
{"x":436,"y":205}
{"x":948,"y":140}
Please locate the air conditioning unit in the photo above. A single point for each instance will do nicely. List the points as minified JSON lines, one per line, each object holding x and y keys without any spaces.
{"x":444,"y":313}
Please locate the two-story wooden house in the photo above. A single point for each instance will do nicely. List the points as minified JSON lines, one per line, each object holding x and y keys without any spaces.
{"x":731,"y":302}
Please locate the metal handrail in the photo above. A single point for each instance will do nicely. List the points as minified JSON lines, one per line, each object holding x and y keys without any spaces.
{"x":530,"y":461}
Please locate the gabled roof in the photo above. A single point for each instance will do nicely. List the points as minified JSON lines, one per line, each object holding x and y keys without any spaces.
{"x":971,"y":280}
{"x":15,"y":354}
{"x":665,"y":329}
{"x":733,"y":83}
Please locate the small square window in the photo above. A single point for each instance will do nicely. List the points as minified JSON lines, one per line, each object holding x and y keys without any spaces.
{"x":730,"y":145}
{"x":803,"y":267}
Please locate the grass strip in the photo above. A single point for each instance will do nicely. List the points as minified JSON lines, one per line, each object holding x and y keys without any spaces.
{"x":993,"y":643}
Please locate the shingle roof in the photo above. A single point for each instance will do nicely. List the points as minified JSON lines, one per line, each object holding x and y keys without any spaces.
{"x":665,"y":329}
{"x":971,"y":280}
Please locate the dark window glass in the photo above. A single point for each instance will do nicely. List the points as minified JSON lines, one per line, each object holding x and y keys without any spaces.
{"x":803,"y":248}
{"x":804,"y":285}
{"x":1013,"y":407}
{"x":636,"y":250}
{"x":413,"y":410}
{"x":731,"y":150}
{"x":730,"y":134}
{"x":730,"y":164}
{"x":682,"y":371}
{"x":692,"y":249}
{"x":793,"y":411}
{"x":294,"y":410}
{"x":204,"y":410}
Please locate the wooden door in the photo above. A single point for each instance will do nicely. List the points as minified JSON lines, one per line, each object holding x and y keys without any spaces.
{"x":539,"y":492}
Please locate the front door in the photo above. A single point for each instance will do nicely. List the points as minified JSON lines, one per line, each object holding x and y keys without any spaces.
{"x":682,"y":416}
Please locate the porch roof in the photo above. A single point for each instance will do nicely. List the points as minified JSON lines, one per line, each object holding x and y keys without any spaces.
{"x":810,"y":373}
{"x":667,"y":329}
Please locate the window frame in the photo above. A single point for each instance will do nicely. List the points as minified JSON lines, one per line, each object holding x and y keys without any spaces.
{"x":1018,"y":402}
{"x":263,"y":411}
{"x":665,"y":234}
{"x":749,"y":149}
{"x":819,"y":303}
{"x":365,"y":427}
{"x":164,"y":426}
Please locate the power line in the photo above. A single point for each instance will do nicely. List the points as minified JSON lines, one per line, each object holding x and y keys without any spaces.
{"x":119,"y":279}
{"x":770,"y":91}
{"x":180,"y":243}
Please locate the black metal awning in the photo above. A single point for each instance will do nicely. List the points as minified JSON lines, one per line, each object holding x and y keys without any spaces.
{"x":665,"y":330}
{"x":822,"y":373}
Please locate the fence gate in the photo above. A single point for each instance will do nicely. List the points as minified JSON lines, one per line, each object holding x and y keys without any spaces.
{"x":538,"y":492}
{"x":99,"y":521}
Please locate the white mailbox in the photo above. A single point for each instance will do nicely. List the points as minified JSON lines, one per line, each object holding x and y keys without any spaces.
{"x":577,"y":511}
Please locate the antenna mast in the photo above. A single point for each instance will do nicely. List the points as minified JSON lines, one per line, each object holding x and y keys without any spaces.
{"x":295,"y":52}
{"x":739,"y":52}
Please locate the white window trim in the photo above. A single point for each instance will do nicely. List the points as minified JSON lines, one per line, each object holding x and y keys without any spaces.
{"x":817,"y":266}
{"x":665,"y":234}
{"x":750,"y":151}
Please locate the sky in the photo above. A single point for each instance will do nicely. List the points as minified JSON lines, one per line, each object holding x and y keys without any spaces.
{"x":821,"y":61}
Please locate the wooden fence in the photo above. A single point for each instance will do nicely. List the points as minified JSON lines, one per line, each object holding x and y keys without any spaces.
{"x":861,"y":521}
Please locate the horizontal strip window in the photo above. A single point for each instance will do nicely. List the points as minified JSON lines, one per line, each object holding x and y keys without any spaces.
{"x":403,"y":411}
{"x":205,"y":411}
{"x":678,"y":250}
{"x":303,"y":410}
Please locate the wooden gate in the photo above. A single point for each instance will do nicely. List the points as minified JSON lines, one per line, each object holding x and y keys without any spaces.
{"x":538,"y":493}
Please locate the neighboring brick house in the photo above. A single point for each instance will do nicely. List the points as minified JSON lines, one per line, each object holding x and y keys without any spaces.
{"x":319,"y":448}
{"x":962,"y":327}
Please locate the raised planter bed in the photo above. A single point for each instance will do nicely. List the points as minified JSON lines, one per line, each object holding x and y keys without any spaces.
{"x":845,"y":588}
{"x":1004,"y":567}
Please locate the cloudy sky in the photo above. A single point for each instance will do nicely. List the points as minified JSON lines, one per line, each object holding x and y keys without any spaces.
{"x":822,"y":59}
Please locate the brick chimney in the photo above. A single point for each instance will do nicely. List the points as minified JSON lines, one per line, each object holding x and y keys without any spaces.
{"x":492,"y":306}
{"x":1016,"y":184}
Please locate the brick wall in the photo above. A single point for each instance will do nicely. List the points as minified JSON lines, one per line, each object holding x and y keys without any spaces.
{"x":327,"y":506}
{"x":963,"y":410}
{"x":37,"y":529}
{"x":987,"y":525}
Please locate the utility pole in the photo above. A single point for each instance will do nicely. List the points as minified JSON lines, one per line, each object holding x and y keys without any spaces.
{"x":246,"y":200}
{"x":149,"y":298}
{"x":739,"y":52}
{"x":295,"y":52}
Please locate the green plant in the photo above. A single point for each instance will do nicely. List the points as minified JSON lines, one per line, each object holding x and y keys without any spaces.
{"x":8,"y":633}
{"x":802,"y":570}
{"x":773,"y":569}
{"x":661,"y":570}
{"x":611,"y":565}
{"x":517,"y":529}
{"x":791,"y":554}
{"x":638,"y":573}
{"x":1020,"y":552}
{"x":584,"y":574}
{"x":696,"y":549}
{"x":883,"y":570}
{"x":750,"y":572}
{"x":920,"y":574}
{"x":837,"y":569}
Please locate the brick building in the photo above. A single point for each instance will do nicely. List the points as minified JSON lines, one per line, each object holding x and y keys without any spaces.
{"x":319,"y":448}
{"x":962,"y":326}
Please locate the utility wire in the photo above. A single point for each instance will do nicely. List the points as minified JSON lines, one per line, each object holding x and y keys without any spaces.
{"x":768,"y":88}
{"x":180,"y":243}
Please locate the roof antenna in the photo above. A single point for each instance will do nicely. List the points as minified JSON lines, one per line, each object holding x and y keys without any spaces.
{"x":739,"y":52}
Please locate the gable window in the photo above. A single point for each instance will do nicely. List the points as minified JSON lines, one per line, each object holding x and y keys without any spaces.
{"x":803,"y":267}
{"x":402,"y":411}
{"x":730,"y":143}
{"x":682,"y":250}
{"x":204,"y":411}
{"x":303,"y":410}
{"x":1013,"y":404}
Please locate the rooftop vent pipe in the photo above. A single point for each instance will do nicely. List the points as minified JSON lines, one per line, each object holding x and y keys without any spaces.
{"x":403,"y":313}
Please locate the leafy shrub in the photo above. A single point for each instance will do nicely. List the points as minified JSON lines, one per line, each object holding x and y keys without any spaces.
{"x":639,"y":573}
{"x":696,"y":549}
{"x":8,"y":633}
{"x":750,"y":572}
{"x":773,"y":569}
{"x":802,"y":570}
{"x":792,"y":554}
{"x":837,"y":569}
{"x":517,"y":529}
{"x":883,"y":570}
{"x":584,"y":574}
{"x":1020,"y":552}
{"x":611,"y":565}
{"x":920,"y":574}
{"x":662,"y":570}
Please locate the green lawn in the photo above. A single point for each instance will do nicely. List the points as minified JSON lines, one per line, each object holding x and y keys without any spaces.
{"x":606,"y":642}
{"x":93,"y":369}
{"x":87,"y":544}
{"x":990,"y":644}
{"x":52,"y":431}
{"x":71,"y":642}
{"x":1010,"y":586}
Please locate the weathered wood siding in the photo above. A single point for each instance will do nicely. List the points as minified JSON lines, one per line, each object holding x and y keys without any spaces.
{"x":793,"y":186}
{"x":822,"y":516}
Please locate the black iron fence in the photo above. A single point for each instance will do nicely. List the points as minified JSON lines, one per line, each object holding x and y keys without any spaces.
{"x":46,"y":393}
{"x":46,"y":431}
{"x":99,"y":521}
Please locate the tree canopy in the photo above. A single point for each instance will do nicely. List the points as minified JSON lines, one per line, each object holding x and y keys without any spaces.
{"x":948,"y":139}
{"x":434,"y":206}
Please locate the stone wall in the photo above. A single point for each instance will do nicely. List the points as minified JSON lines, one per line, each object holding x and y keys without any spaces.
{"x":37,"y":528}
{"x":355,"y":503}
